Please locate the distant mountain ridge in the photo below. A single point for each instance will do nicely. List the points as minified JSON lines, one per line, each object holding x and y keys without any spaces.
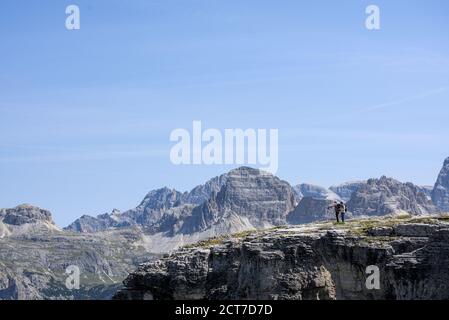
{"x":228,"y":202}
{"x":152,"y":208}
{"x":34,"y":252}
{"x":243,"y":198}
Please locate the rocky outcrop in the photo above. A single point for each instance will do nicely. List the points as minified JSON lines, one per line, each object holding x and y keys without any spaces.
{"x":345,"y":190}
{"x":440,"y":193}
{"x":25,"y":214}
{"x":318,"y":261}
{"x":388,"y":196}
{"x":310,"y":210}
{"x":314,"y":191}
{"x":25,"y":220}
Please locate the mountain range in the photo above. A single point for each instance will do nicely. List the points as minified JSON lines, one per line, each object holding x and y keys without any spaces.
{"x":34,"y":252}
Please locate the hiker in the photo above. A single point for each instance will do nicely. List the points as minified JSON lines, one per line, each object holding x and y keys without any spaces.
{"x":343,"y":210}
{"x":335,"y":205}
{"x":340,"y":209}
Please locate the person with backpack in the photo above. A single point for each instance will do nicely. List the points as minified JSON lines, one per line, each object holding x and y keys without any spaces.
{"x":340,"y":210}
{"x":343,"y":210}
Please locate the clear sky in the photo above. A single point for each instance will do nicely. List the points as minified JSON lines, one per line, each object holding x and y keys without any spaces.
{"x":85,"y":116}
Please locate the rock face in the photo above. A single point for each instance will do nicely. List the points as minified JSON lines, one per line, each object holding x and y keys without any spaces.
{"x":25,"y":219}
{"x":249,"y":199}
{"x":25,"y":214}
{"x":313,"y":262}
{"x":427,"y":190}
{"x":154,"y":209}
{"x":310,"y":210}
{"x":314,"y":191}
{"x":440,"y":193}
{"x":345,"y":190}
{"x":388,"y":196}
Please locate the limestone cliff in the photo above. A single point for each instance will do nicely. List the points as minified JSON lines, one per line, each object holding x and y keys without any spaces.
{"x":316,"y":261}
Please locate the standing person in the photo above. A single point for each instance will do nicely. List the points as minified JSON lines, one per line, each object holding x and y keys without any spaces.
{"x":340,"y":210}
{"x":343,"y":210}
{"x":337,"y":208}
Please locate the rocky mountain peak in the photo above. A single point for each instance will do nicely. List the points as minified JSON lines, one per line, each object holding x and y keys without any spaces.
{"x":245,"y":187}
{"x":388,"y":196}
{"x":163,"y":198}
{"x":25,"y":214}
{"x":440,"y":193}
{"x":247,"y":171}
{"x":115,"y":212}
{"x":250,"y":198}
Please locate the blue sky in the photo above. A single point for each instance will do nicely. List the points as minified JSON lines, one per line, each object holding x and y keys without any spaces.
{"x":85,"y":116}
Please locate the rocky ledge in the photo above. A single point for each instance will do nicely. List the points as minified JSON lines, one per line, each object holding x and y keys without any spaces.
{"x":315,"y":261}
